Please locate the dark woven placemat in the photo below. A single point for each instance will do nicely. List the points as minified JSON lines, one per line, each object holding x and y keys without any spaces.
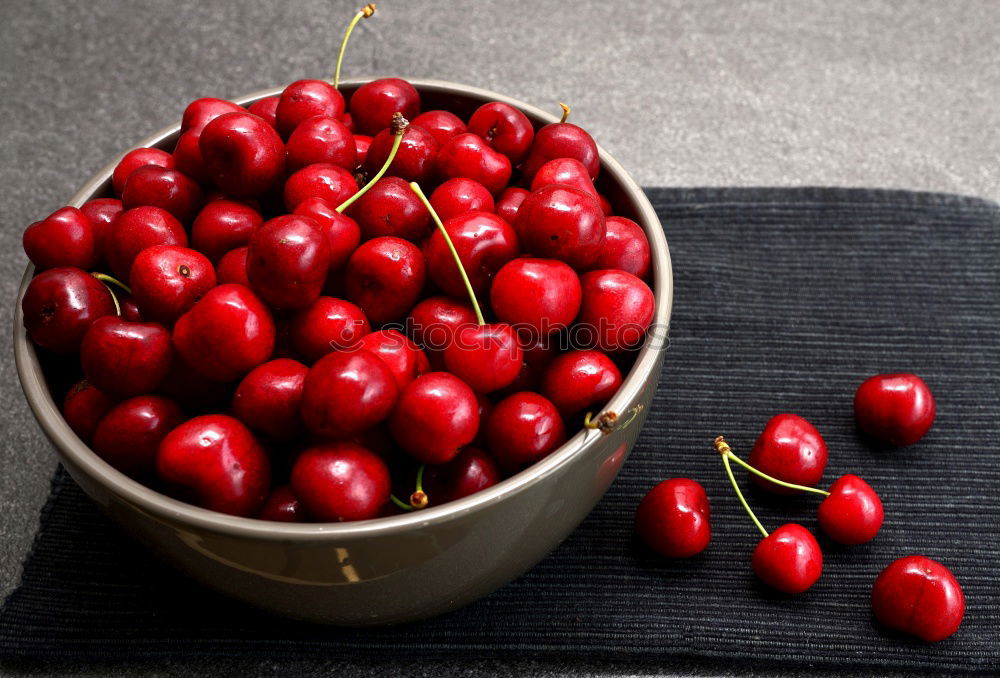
{"x":785,"y":300}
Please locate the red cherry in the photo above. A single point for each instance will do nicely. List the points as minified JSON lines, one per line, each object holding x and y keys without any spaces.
{"x":226,"y":333}
{"x":897,"y":409}
{"x":460,"y":195}
{"x":326,"y":325}
{"x":64,"y":238}
{"x":84,"y":407}
{"x":674,"y":518}
{"x":129,"y":435}
{"x":919,"y":596}
{"x":542,"y":295}
{"x":232,"y":268}
{"x":414,"y":159}
{"x":436,"y":416}
{"x":60,"y":305}
{"x":579,"y":380}
{"x":331,"y":183}
{"x":362,"y":143}
{"x":304,"y":99}
{"x":510,"y":202}
{"x":484,"y":243}
{"x":790,"y":449}
{"x":348,"y":122}
{"x":187,"y":158}
{"x":167,"y":280}
{"x":194,"y":392}
{"x":287,"y":262}
{"x":283,"y":506}
{"x":200,"y":112}
{"x":469,"y":156}
{"x":321,"y":139}
{"x":522,"y":429}
{"x":789,"y":559}
{"x":561,"y":140}
{"x":434,"y":323}
{"x":390,"y":207}
{"x":342,"y":233}
{"x":223,"y":225}
{"x":625,"y":247}
{"x":129,"y":310}
{"x":347,"y":393}
{"x":375,"y":102}
{"x":443,"y":125}
{"x":102,"y":212}
{"x":606,"y":205}
{"x":471,"y":471}
{"x":124,"y":357}
{"x":384,"y":277}
{"x":616,"y":312}
{"x":565,"y":172}
{"x":138,"y":228}
{"x":268,"y":398}
{"x":266,"y":108}
{"x":215,"y":462}
{"x":133,"y":160}
{"x":341,"y":481}
{"x":852,"y":514}
{"x":243,"y":154}
{"x":403,"y":357}
{"x":537,"y":351}
{"x":562,"y":222}
{"x":506,"y":129}
{"x":169,"y":189}
{"x":486,"y":357}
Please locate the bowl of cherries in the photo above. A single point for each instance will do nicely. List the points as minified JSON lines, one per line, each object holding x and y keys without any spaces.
{"x":356,"y":353}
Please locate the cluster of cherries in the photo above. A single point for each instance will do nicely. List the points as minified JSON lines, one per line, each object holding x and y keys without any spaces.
{"x":913,"y":594}
{"x":273,"y":320}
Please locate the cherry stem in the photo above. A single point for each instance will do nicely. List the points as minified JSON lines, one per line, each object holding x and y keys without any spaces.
{"x":720,"y":443}
{"x":400,"y":503}
{"x":108,"y":281}
{"x":363,"y":13}
{"x":723,"y":448}
{"x":565,"y":110}
{"x":454,"y":253}
{"x":398,"y":128}
{"x":418,"y":499}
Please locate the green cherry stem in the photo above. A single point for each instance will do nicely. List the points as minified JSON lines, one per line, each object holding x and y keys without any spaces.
{"x":792,"y":486}
{"x":400,"y":503}
{"x":398,"y":128}
{"x":418,"y":499}
{"x":722,"y":447}
{"x":363,"y":13}
{"x":454,"y":253}
{"x":108,"y":282}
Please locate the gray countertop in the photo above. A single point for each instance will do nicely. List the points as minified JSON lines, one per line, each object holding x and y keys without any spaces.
{"x":880,"y":93}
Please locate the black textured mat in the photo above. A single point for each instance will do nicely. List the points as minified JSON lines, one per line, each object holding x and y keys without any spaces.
{"x":785,"y":301}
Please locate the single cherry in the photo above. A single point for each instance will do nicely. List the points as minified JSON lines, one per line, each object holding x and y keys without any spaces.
{"x":471,"y":471}
{"x":616,"y":311}
{"x":282,"y":506}
{"x":223,"y":225}
{"x":102,"y":212}
{"x":487,"y":357}
{"x":332,"y":183}
{"x":852,"y":513}
{"x":340,"y":481}
{"x":565,"y":172}
{"x":342,"y":233}
{"x":790,"y":449}
{"x":321,"y":139}
{"x":509,"y":203}
{"x":374,"y":103}
{"x":469,"y":156}
{"x":385,"y":277}
{"x":347,"y":393}
{"x":415,"y":159}
{"x":169,"y":189}
{"x":789,"y":559}
{"x":60,"y":305}
{"x":522,"y":429}
{"x":187,"y":158}
{"x":562,"y":222}
{"x":673,"y":518}
{"x":133,"y":160}
{"x":919,"y":596}
{"x":202,"y":111}
{"x":243,"y":154}
{"x":232,"y":268}
{"x":506,"y":129}
{"x":400,"y":354}
{"x":287,"y":262}
{"x":129,"y":435}
{"x":580,"y":380}
{"x":443,"y":125}
{"x":269,"y":397}
{"x":138,"y":228}
{"x":542,"y":295}
{"x":64,"y":238}
{"x":84,"y":407}
{"x":434,"y":323}
{"x":460,"y":195}
{"x":625,"y":247}
{"x":125,"y":358}
{"x":484,"y":243}
{"x":436,"y":416}
{"x":304,"y":99}
{"x":897,"y":409}
{"x":362,"y":143}
{"x":328,"y":324}
{"x":266,"y":108}
{"x":390,"y":208}
{"x":562,"y":140}
{"x":167,"y":280}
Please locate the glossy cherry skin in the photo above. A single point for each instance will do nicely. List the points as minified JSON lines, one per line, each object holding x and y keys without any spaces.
{"x":486,"y":357}
{"x":304,"y":99}
{"x":129,"y":435}
{"x":469,"y":472}
{"x":170,"y":189}
{"x":362,"y":143}
{"x":136,"y":229}
{"x":269,"y":397}
{"x":232,"y":268}
{"x":136,"y":158}
{"x":215,"y":462}
{"x":790,"y":449}
{"x":437,"y":415}
{"x":469,"y":156}
{"x":60,"y":305}
{"x":616,"y":311}
{"x":342,"y":233}
{"x":625,"y":247}
{"x":484,"y":243}
{"x":537,"y":351}
{"x":385,"y":277}
{"x":347,"y":393}
{"x":565,"y":172}
{"x":64,"y":238}
{"x":202,"y":111}
{"x":400,"y":354}
{"x":919,"y":596}
{"x":506,"y":129}
{"x":283,"y":506}
{"x":341,"y":481}
{"x":561,"y":140}
{"x":443,"y":125}
{"x":84,"y":407}
{"x":562,"y":222}
{"x":579,"y":380}
{"x":674,"y":518}
{"x":897,"y":409}
{"x":788,"y":560}
{"x":458,"y":196}
{"x":390,"y":207}
{"x":509,"y":203}
{"x":125,"y":358}
{"x":167,"y":280}
{"x":606,"y":205}
{"x":226,"y":333}
{"x":243,"y":154}
{"x":852,"y":514}
{"x":434,"y":323}
{"x":328,"y":324}
{"x":331,"y":183}
{"x":188,"y":159}
{"x":321,"y":139}
{"x":414,"y":159}
{"x":375,"y":102}
{"x":102,"y":212}
{"x":266,"y":108}
{"x":543,"y":295}
{"x":223,"y":225}
{"x":522,"y":429}
{"x":287,"y":262}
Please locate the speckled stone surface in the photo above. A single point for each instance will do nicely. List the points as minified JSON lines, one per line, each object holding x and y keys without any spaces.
{"x":880,"y":93}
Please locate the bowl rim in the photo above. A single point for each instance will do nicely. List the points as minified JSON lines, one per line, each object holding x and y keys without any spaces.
{"x":163,"y":507}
